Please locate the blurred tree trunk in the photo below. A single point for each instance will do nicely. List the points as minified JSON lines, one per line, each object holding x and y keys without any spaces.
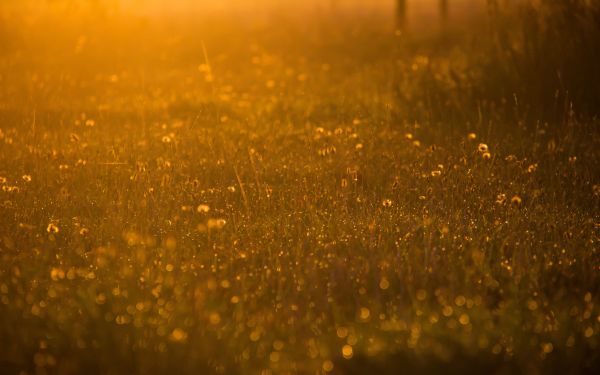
{"x":400,"y":14}
{"x":444,"y":10}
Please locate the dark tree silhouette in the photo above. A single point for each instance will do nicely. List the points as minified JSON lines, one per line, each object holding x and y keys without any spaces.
{"x":401,"y":12}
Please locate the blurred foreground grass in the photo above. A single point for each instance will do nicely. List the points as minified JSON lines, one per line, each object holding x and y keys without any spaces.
{"x":233,"y":195}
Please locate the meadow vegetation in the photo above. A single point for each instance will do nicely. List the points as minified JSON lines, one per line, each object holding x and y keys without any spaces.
{"x":293,"y":194}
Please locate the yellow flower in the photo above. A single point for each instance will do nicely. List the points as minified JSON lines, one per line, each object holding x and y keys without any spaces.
{"x":532,"y":168}
{"x":501,"y":198}
{"x":203,"y":208}
{"x":216,"y":223}
{"x":387,"y":203}
{"x":52,"y":228}
{"x":483,"y":148}
{"x":26,"y":178}
{"x":516,"y":200}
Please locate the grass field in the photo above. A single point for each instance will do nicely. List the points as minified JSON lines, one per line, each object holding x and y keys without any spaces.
{"x":294,"y":193}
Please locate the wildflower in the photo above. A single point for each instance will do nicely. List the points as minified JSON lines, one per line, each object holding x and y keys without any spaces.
{"x":501,"y":198}
{"x":27,"y":178}
{"x":486,"y":156}
{"x":216,"y":223}
{"x":387,"y":203}
{"x":436,"y":173}
{"x":166,"y":139}
{"x":203,"y":208}
{"x":472,"y":136}
{"x":2,"y":180}
{"x":516,"y":200}
{"x":52,"y":228}
{"x":57,"y":274}
{"x":532,"y":168}
{"x":483,"y":148}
